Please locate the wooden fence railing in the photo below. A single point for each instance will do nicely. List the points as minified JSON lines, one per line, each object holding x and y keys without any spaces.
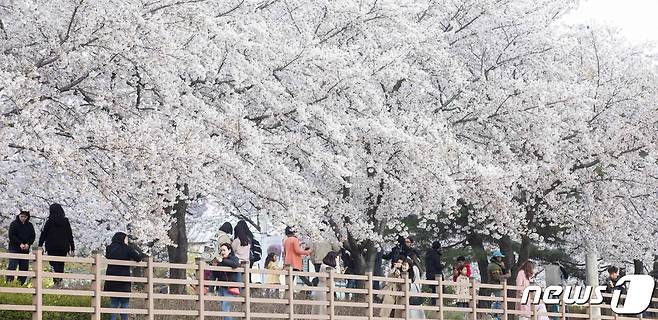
{"x":285,"y":300}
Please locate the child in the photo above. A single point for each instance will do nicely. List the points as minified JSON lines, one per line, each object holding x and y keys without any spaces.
{"x":463,"y":284}
{"x":271,"y":264}
{"x":462,"y":287}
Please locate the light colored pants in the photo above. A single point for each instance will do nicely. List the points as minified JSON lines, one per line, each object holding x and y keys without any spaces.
{"x":224,"y":305}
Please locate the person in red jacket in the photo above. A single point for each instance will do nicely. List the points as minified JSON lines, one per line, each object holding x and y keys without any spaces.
{"x":461,"y":261}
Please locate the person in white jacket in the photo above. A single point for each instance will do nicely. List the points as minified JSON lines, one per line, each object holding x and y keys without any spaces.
{"x":329,"y":263}
{"x":416,"y":287}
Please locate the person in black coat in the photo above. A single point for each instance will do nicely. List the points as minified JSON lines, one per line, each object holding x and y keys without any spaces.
{"x":58,"y":237}
{"x":398,"y":250}
{"x":21,"y":237}
{"x":434,"y":266}
{"x":119,"y":250}
{"x":226,"y":258}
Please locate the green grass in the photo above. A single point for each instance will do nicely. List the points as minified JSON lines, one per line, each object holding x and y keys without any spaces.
{"x":49,"y":300}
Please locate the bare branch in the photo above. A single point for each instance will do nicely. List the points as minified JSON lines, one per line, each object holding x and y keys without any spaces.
{"x":68,"y":29}
{"x":177,"y":3}
{"x":74,"y":83}
{"x":230,"y":10}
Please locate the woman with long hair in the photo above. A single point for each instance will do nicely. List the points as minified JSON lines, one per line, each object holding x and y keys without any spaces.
{"x":398,"y":271}
{"x":415,"y":287}
{"x":271,"y":263}
{"x":242,"y":238}
{"x":58,"y":238}
{"x":526,"y":272}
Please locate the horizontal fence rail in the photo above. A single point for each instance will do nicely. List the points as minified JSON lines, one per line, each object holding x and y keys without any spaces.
{"x":372,"y":297}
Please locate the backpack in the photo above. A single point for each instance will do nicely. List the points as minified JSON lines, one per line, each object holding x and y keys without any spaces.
{"x":255,"y":253}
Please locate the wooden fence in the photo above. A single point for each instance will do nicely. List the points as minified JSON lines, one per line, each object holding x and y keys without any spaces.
{"x":286,"y":300}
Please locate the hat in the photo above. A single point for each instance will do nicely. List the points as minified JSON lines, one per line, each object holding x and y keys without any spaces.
{"x":497,"y":253}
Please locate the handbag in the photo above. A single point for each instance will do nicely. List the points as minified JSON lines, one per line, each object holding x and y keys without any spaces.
{"x":234,"y":291}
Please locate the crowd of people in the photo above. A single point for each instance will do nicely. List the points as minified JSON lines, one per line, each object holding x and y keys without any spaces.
{"x":236,"y":246}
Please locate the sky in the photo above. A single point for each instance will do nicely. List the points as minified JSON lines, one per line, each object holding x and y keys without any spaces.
{"x":637,"y":19}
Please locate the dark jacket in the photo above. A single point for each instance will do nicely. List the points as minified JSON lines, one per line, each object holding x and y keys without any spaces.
{"x":20,"y":233}
{"x":348,"y":261}
{"x":230,"y":261}
{"x":56,"y":233}
{"x":433,"y":264}
{"x":119,"y":250}
{"x":495,"y":272}
{"x":610,"y":286}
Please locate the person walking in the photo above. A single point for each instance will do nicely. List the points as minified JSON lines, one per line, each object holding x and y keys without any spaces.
{"x":526,"y":272}
{"x":21,"y":238}
{"x":119,"y":250}
{"x":330,"y":261}
{"x":434,"y":266}
{"x":271,"y":263}
{"x":226,"y":258}
{"x":293,"y":252}
{"x":58,"y":238}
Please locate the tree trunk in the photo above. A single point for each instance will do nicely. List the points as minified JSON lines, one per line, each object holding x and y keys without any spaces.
{"x":477,"y":245}
{"x":638,"y":267}
{"x":178,"y":235}
{"x":592,"y":266}
{"x":505,"y":244}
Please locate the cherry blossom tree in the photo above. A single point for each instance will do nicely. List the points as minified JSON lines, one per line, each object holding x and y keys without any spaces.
{"x":354,"y":115}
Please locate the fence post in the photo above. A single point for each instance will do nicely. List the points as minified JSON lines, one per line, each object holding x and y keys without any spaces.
{"x":475,"y":299}
{"x":37,"y":298}
{"x":440,"y":300}
{"x":563,"y":307}
{"x":291,"y":294}
{"x":505,"y":306}
{"x":590,"y":312}
{"x":202,"y":287}
{"x":407,"y":284}
{"x":331,"y":295}
{"x":247,"y":290}
{"x":149,"y":290}
{"x":96,"y":284}
{"x":370,"y":295}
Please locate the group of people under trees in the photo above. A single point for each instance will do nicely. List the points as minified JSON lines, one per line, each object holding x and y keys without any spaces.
{"x":56,"y":235}
{"x":237,"y":246}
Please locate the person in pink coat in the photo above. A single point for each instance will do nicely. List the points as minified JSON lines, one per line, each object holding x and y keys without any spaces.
{"x":527,"y":271}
